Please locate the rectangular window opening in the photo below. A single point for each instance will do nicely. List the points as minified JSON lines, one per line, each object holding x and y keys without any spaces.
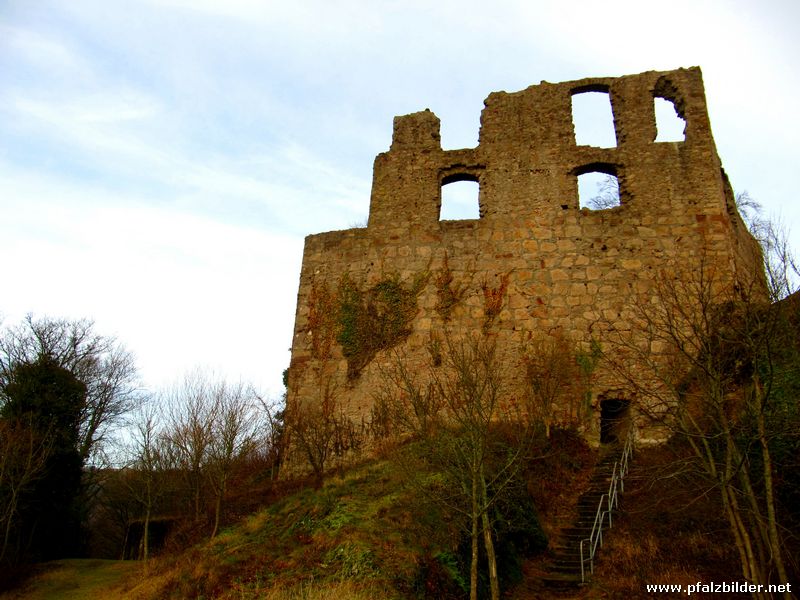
{"x":460,"y":201}
{"x":593,"y":119}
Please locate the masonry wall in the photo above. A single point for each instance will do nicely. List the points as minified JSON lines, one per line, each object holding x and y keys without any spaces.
{"x":559,"y":267}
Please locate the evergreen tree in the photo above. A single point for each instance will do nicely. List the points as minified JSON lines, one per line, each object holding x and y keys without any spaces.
{"x":51,"y":399}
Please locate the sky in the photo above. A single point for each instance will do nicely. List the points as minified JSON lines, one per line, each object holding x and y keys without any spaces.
{"x":161,"y":161}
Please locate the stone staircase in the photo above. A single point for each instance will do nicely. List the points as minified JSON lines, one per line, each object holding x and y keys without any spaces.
{"x":565,"y":567}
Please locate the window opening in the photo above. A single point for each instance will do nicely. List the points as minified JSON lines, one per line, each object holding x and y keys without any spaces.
{"x":598,"y":191}
{"x":460,"y":201}
{"x":593,"y":119}
{"x":614,"y":420}
{"x":670,"y":126}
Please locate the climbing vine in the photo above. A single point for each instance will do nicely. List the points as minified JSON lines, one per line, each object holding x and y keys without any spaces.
{"x":375,"y":319}
{"x":493,"y":298}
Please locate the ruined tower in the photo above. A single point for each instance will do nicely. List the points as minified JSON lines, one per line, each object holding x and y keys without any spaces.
{"x":535,"y":260}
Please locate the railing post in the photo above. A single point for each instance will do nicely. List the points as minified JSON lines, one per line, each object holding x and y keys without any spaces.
{"x":583,"y":575}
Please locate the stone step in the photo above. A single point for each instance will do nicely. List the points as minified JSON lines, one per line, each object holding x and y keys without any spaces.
{"x":576,"y":570}
{"x":565,"y":564}
{"x":561,"y":581}
{"x":576,"y":535}
{"x":589,"y":515}
{"x":573,"y":562}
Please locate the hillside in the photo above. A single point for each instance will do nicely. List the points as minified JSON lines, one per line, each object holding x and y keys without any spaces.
{"x":377,"y":530}
{"x":371,"y":529}
{"x":368,"y":533}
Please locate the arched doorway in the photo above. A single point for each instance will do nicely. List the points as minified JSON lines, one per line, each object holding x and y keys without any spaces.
{"x":614,"y":420}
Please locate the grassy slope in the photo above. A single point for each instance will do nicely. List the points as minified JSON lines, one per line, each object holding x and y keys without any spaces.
{"x":74,"y":580}
{"x":364,"y":533}
{"x":364,"y":527}
{"x":367,"y":535}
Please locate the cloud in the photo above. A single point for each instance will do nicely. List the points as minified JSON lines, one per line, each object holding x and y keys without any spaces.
{"x":119,"y":135}
{"x":163,"y":159}
{"x":34,"y":49}
{"x":177,"y":288}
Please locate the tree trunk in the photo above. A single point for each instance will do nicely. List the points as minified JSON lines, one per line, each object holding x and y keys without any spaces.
{"x":145,"y":552}
{"x":769,"y":495}
{"x":756,"y":575}
{"x":494,"y":582}
{"x":196,"y":498}
{"x":217,"y":510}
{"x":473,"y":567}
{"x":218,"y":505}
{"x":125,"y":540}
{"x":11,"y":509}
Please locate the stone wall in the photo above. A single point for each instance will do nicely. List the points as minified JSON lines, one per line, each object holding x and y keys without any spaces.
{"x":535,"y":261}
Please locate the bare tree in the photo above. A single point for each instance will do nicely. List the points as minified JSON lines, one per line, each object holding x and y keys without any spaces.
{"x":148,"y":463}
{"x":702,"y":356}
{"x":213,"y":427}
{"x":455,"y":410}
{"x":191,"y":413}
{"x":321,"y":431}
{"x":234,"y":437}
{"x":403,"y":404}
{"x":554,"y":381}
{"x":272,"y":435}
{"x":781,"y":265}
{"x":607,"y":194}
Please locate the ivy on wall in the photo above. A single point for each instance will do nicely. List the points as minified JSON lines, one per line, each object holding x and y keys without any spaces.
{"x":375,"y":319}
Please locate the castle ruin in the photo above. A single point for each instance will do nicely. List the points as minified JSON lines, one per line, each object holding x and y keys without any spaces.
{"x":535,"y":260}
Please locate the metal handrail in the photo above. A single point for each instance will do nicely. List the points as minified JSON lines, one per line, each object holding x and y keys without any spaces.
{"x":616,"y":486}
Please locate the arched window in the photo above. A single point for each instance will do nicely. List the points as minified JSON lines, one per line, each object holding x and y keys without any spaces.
{"x":598,"y":186}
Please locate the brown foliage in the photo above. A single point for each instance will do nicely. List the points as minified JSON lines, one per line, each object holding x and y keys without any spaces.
{"x":322,"y":309}
{"x":322,"y":432}
{"x":493,"y":298}
{"x":556,"y":381}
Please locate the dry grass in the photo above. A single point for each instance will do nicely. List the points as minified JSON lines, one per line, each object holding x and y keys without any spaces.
{"x":354,"y":537}
{"x":345,"y":590}
{"x":666,"y":534}
{"x":75,"y":579}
